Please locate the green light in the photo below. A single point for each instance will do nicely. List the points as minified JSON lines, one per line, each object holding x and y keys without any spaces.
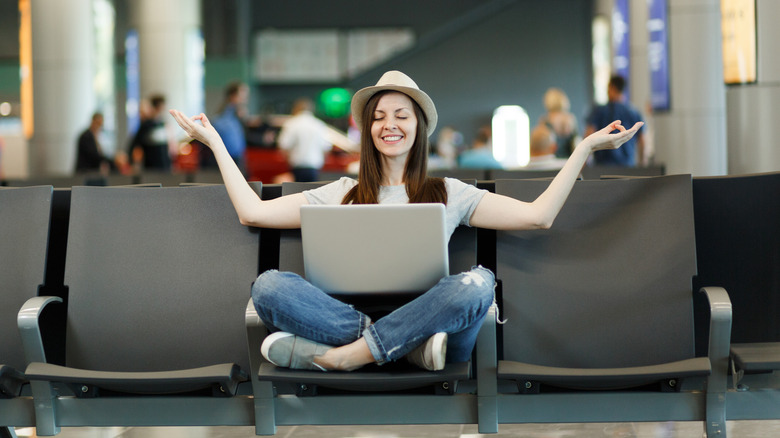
{"x":335,"y":102}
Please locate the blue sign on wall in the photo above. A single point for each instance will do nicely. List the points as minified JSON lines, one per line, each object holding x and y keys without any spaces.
{"x":658,"y":54}
{"x":621,"y":47}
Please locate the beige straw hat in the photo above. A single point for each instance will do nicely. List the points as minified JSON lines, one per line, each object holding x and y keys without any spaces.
{"x":396,"y":81}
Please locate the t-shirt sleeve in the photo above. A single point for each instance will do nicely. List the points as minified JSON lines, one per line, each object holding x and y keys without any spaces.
{"x":330,"y":194}
{"x":462,"y":200}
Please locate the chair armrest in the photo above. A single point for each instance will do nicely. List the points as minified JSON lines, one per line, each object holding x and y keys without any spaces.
{"x":256,"y":331}
{"x":718,"y":352}
{"x":487,"y":354}
{"x":720,"y":328}
{"x":487,"y":383}
{"x":29,"y":327}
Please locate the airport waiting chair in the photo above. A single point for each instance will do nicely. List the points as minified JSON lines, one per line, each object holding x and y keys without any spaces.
{"x":599,"y":172}
{"x":738,"y":247}
{"x":334,"y":176}
{"x":55,"y":181}
{"x":24,"y":234}
{"x":158,"y":280}
{"x":495,"y":174}
{"x":599,"y":310}
{"x":165,"y":179}
{"x":373,"y":395}
{"x":461,"y":173}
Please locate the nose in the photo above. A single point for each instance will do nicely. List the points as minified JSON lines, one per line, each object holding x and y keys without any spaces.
{"x":389,"y":123}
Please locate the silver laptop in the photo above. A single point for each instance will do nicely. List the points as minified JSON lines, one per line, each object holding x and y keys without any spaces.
{"x":360,"y":249}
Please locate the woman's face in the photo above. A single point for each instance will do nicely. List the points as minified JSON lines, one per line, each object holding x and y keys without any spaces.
{"x":394,"y":126}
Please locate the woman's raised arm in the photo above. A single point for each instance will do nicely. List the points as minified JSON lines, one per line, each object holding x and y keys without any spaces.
{"x":282,"y":212}
{"x":505,"y":213}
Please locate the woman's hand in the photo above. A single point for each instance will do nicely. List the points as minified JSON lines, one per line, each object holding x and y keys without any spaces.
{"x":204,"y":131}
{"x":602,"y":139}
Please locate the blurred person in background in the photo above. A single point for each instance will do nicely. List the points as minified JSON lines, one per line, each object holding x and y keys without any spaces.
{"x":632,"y":153}
{"x":445,"y":152}
{"x":480,"y":156}
{"x":543,"y":147}
{"x":150,"y":145}
{"x":89,"y":156}
{"x":229,"y":123}
{"x":304,"y":138}
{"x":560,"y":121}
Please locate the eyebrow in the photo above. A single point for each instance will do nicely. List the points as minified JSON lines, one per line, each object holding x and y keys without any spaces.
{"x":396,"y":111}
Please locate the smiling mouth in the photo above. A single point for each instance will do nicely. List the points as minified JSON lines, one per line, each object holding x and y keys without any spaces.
{"x":392,"y":138}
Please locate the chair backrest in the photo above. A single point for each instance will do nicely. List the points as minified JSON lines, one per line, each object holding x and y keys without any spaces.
{"x":609,"y":285}
{"x":460,"y":173}
{"x":158,"y":278}
{"x":462,"y":246}
{"x":24,"y":233}
{"x":738,"y":248}
{"x":521,"y":174}
{"x":596,"y":172}
{"x":56,"y":181}
{"x":165,"y":179}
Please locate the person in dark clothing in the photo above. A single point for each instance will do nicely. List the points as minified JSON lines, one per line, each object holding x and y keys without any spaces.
{"x":150,"y":144}
{"x":90,"y":155}
{"x":632,"y":153}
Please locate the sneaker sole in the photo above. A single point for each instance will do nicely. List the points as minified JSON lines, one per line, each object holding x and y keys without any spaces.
{"x":270,"y":339}
{"x":439,"y":344}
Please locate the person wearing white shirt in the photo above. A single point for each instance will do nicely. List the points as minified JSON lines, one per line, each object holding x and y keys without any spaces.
{"x":304,"y":138}
{"x":543,"y":146}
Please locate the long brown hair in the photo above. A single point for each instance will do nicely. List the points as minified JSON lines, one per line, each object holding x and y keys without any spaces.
{"x":419,"y":187}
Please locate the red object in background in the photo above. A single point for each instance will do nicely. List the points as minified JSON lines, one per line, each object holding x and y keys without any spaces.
{"x":263,"y":164}
{"x":266,"y":164}
{"x":188,"y":160}
{"x":337,"y":161}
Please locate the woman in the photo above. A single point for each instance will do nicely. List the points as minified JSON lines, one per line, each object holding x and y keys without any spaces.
{"x":313,"y":330}
{"x":560,"y":121}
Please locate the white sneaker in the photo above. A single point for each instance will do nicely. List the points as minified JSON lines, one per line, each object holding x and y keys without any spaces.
{"x":431,"y":355}
{"x":287,"y":350}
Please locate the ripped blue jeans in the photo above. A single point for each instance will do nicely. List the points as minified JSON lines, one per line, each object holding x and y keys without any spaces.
{"x":457,"y":305}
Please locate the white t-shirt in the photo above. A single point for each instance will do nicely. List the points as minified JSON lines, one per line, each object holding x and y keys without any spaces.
{"x":462,"y":198}
{"x":305,"y":137}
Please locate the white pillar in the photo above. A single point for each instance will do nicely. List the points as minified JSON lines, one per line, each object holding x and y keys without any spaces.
{"x":691,"y":137}
{"x":62,"y":72}
{"x":167,"y":34}
{"x":753,"y":109}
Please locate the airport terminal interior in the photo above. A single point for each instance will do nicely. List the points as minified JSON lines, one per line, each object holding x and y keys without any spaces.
{"x":697,"y":204}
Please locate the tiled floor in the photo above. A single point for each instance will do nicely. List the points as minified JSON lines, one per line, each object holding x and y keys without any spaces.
{"x":736,"y":429}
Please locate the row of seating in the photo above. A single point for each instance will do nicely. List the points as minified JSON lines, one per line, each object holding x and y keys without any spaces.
{"x":166,"y":179}
{"x":588,"y":172}
{"x":132,"y":299}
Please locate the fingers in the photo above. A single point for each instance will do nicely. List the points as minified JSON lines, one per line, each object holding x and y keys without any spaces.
{"x":633,"y":129}
{"x":180,"y":119}
{"x":187,"y":123}
{"x":205,"y":120}
{"x":611,"y":127}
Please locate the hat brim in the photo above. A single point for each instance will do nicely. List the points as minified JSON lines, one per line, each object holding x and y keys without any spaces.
{"x":360,"y":99}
